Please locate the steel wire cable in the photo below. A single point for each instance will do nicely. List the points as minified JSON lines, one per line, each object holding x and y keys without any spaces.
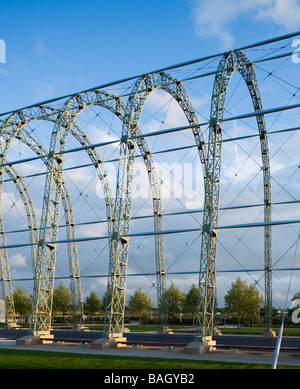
{"x":254,"y":45}
{"x":277,"y":150}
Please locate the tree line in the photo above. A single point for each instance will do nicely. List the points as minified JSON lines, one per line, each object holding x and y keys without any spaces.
{"x":244,"y":304}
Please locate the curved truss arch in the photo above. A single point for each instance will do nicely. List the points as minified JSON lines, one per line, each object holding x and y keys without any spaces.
{"x":61,"y":130}
{"x":81,"y":137}
{"x":231,"y":62}
{"x":6,"y":286}
{"x":15,"y":123}
{"x":19,"y":132}
{"x":13,"y":128}
{"x":75,"y":283}
{"x":42,"y":296}
{"x":7,"y":291}
{"x":122,"y":211}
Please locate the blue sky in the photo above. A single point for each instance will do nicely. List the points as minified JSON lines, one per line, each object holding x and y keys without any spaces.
{"x":58,"y":47}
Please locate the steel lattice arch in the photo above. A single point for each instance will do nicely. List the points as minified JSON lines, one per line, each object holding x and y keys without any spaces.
{"x":43,"y":233}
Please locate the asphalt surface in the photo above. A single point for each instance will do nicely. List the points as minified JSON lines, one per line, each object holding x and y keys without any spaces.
{"x":184,"y":339}
{"x":291,"y":359}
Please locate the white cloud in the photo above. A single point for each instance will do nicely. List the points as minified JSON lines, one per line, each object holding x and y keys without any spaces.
{"x":283,"y":12}
{"x":92,"y":231}
{"x":18,"y":260}
{"x":40,"y":47}
{"x":11,"y":204}
{"x":161,"y":111}
{"x":215,"y":18}
{"x":44,"y":89}
{"x":4,"y":72}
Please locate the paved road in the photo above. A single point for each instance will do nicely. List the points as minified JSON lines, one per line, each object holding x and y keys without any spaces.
{"x":234,"y":340}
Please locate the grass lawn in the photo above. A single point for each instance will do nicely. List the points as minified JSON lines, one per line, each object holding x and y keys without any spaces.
{"x":27,"y":359}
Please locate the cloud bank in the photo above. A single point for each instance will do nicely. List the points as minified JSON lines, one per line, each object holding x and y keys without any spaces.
{"x":215,"y":18}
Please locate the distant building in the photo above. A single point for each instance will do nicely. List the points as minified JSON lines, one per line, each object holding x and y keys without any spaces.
{"x":2,"y":311}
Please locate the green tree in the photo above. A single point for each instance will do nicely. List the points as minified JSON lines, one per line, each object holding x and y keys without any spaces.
{"x":294,"y":310}
{"x":296,"y":296}
{"x":254,"y":301}
{"x":22,"y":301}
{"x":190,"y":302}
{"x":242,"y":299}
{"x":62,"y":300}
{"x":139,"y":303}
{"x":92,"y":305}
{"x":105,"y":300}
{"x":175,"y":300}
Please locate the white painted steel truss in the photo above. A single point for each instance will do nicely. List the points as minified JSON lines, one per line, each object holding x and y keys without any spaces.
{"x":119,"y":212}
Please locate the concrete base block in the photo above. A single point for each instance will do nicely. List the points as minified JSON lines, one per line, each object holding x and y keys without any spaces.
{"x":28,"y":340}
{"x":120,"y":340}
{"x":269,"y":334}
{"x":107,"y":343}
{"x":199,"y":347}
{"x":217,"y":332}
{"x":49,"y":338}
{"x":164,"y":330}
{"x":79,"y":327}
{"x":104,"y":343}
{"x":12,"y":326}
